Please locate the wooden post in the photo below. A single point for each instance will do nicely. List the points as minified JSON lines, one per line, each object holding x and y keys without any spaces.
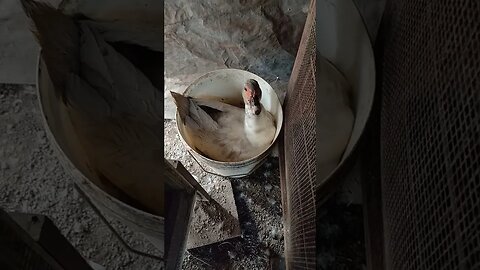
{"x":31,"y":242}
{"x":177,"y":172}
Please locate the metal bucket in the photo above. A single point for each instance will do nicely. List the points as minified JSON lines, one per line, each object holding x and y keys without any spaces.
{"x":227,"y":84}
{"x":103,"y":196}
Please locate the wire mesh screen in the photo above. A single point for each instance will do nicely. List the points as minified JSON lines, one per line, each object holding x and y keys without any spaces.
{"x":430,"y":128}
{"x":299,"y":153}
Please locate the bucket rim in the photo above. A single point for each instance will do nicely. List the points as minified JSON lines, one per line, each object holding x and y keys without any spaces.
{"x":258,"y":157}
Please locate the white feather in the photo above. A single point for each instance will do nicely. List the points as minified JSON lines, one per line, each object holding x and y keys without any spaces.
{"x":232,"y":136}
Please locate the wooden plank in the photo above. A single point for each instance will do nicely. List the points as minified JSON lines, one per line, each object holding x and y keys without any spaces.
{"x":18,"y":250}
{"x":180,"y":205}
{"x":214,"y":221}
{"x":42,"y":230}
{"x":180,"y":193}
{"x":176,"y":171}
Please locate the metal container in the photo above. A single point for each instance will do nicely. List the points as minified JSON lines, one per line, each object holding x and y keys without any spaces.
{"x":227,"y":84}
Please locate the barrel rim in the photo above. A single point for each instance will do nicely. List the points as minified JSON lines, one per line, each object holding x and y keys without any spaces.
{"x":60,"y":151}
{"x":227,"y":164}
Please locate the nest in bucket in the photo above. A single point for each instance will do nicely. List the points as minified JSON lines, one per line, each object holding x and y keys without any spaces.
{"x":229,"y":119}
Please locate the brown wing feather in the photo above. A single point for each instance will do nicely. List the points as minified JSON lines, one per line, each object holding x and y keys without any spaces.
{"x":58,"y":36}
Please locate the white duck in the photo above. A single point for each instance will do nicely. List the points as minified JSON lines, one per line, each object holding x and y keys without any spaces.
{"x":224,"y":132}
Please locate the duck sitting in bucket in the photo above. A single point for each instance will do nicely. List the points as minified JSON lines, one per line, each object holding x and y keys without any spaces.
{"x":224,"y":132}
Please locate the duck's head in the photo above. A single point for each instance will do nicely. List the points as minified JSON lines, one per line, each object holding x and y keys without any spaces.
{"x":251,"y":97}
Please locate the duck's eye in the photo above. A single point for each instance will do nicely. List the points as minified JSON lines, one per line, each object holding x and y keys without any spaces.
{"x":245,"y":89}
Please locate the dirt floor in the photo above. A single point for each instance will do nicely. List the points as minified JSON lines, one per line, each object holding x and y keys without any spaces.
{"x":258,"y":203}
{"x":33,"y":181}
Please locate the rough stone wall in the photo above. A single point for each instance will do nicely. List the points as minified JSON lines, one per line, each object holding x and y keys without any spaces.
{"x":260,"y":36}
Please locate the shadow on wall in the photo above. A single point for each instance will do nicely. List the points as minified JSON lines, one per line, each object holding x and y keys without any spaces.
{"x":261,"y":36}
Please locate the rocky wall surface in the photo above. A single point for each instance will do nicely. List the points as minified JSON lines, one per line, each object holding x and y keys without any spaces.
{"x":260,"y":36}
